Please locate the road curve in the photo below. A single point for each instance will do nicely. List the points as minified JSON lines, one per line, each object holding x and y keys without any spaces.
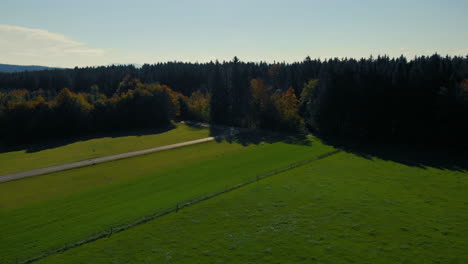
{"x":83,"y":163}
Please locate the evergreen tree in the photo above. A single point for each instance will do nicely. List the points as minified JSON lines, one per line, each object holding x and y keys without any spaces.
{"x":219,"y":102}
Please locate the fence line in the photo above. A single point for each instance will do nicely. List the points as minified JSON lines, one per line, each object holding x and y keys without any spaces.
{"x":179,"y":206}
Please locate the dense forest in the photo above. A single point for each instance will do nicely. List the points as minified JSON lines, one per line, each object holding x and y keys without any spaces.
{"x":377,"y":99}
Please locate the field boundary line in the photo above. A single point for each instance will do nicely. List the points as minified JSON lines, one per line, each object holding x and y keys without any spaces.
{"x":179,"y":206}
{"x":84,"y":163}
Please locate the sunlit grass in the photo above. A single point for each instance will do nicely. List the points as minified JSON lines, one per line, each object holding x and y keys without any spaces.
{"x":47,"y":212}
{"x":342,"y":209}
{"x":29,"y":159}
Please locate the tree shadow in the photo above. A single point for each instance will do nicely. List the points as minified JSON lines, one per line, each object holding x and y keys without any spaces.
{"x":422,"y":156}
{"x":247,"y":137}
{"x":196,"y":125}
{"x":55,"y":143}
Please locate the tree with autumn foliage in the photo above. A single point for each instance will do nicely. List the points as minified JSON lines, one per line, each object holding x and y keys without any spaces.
{"x":259,"y":114}
{"x":287,"y":108}
{"x":278,"y":110}
{"x":25,"y":120}
{"x":26,"y":117}
{"x":128,"y":83}
{"x":72,"y":112}
{"x":198,"y":107}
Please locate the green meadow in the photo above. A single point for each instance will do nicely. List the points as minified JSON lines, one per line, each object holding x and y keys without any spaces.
{"x":47,"y":212}
{"x":341,"y":209}
{"x":45,"y":156}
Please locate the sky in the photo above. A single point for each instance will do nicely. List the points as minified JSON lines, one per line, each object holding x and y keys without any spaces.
{"x":68,"y":33}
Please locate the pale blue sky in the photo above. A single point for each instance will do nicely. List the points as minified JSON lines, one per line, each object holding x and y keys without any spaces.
{"x":93,"y":32}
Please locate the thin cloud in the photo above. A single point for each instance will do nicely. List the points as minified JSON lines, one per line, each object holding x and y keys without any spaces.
{"x":22,"y":43}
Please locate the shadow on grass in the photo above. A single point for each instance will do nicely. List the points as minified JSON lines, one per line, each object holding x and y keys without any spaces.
{"x":50,"y":144}
{"x":196,"y":125}
{"x":249,"y":136}
{"x":411,"y":155}
{"x":421,"y":156}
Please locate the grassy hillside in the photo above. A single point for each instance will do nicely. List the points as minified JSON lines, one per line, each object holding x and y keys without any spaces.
{"x":342,"y":209}
{"x":35,"y":157}
{"x":47,"y":212}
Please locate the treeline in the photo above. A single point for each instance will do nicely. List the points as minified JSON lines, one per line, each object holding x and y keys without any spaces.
{"x":184,"y":78}
{"x":28,"y":116}
{"x":393,"y":100}
{"x":385,"y":99}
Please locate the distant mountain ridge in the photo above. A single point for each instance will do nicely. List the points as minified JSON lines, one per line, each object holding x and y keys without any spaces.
{"x":21,"y":68}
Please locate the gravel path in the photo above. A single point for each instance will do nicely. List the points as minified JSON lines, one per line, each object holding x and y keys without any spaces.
{"x":83,"y":163}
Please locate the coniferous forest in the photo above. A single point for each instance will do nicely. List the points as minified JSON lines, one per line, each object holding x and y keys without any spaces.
{"x":423,"y":100}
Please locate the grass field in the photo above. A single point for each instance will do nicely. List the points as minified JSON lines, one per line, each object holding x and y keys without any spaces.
{"x":47,"y":212}
{"x":35,"y":158}
{"x":342,"y":209}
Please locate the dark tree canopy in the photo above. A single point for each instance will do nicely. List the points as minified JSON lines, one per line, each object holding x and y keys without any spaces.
{"x":381,"y":99}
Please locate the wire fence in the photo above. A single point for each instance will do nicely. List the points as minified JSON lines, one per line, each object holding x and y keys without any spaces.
{"x":179,"y":206}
